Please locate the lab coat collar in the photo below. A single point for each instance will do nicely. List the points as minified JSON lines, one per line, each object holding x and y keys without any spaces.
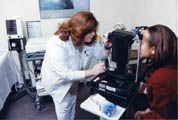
{"x":71,"y":43}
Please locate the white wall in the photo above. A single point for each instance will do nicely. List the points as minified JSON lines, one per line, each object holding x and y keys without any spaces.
{"x":149,"y":12}
{"x":135,"y":12}
{"x":108,"y":12}
{"x":23,"y":9}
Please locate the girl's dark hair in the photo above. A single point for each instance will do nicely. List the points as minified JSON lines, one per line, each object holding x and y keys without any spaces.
{"x":78,"y":27}
{"x":165,"y":42}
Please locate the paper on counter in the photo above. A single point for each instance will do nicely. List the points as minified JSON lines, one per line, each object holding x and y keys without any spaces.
{"x":92,"y":107}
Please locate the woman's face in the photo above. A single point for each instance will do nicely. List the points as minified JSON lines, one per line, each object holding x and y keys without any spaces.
{"x":89,"y":37}
{"x":146,"y":50}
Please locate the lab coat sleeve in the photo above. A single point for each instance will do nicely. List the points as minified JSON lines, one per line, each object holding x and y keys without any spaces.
{"x":59,"y":61}
{"x":99,"y":51}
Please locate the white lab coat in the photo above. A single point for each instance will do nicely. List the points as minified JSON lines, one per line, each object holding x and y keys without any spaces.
{"x":63,"y":65}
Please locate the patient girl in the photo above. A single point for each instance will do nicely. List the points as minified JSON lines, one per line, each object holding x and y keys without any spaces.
{"x":159,"y":45}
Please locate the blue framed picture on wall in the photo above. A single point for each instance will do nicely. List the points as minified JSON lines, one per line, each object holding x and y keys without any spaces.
{"x":50,"y":9}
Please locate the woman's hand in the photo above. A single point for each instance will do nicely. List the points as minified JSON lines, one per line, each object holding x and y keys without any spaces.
{"x":98,"y":69}
{"x":108,"y":44}
{"x":139,"y":113}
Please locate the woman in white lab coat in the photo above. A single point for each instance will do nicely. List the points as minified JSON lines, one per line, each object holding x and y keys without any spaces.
{"x":67,"y":59}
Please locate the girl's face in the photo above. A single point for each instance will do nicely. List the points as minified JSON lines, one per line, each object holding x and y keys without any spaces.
{"x":146,"y":50}
{"x":89,"y":37}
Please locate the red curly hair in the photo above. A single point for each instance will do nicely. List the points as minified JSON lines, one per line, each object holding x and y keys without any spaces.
{"x":78,"y":27}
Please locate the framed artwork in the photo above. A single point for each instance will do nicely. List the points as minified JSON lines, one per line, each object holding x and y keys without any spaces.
{"x":50,"y":9}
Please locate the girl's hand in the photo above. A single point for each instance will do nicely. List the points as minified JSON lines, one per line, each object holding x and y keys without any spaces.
{"x":139,"y":113}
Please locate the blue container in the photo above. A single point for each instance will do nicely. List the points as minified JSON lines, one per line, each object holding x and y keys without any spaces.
{"x":107,"y":108}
